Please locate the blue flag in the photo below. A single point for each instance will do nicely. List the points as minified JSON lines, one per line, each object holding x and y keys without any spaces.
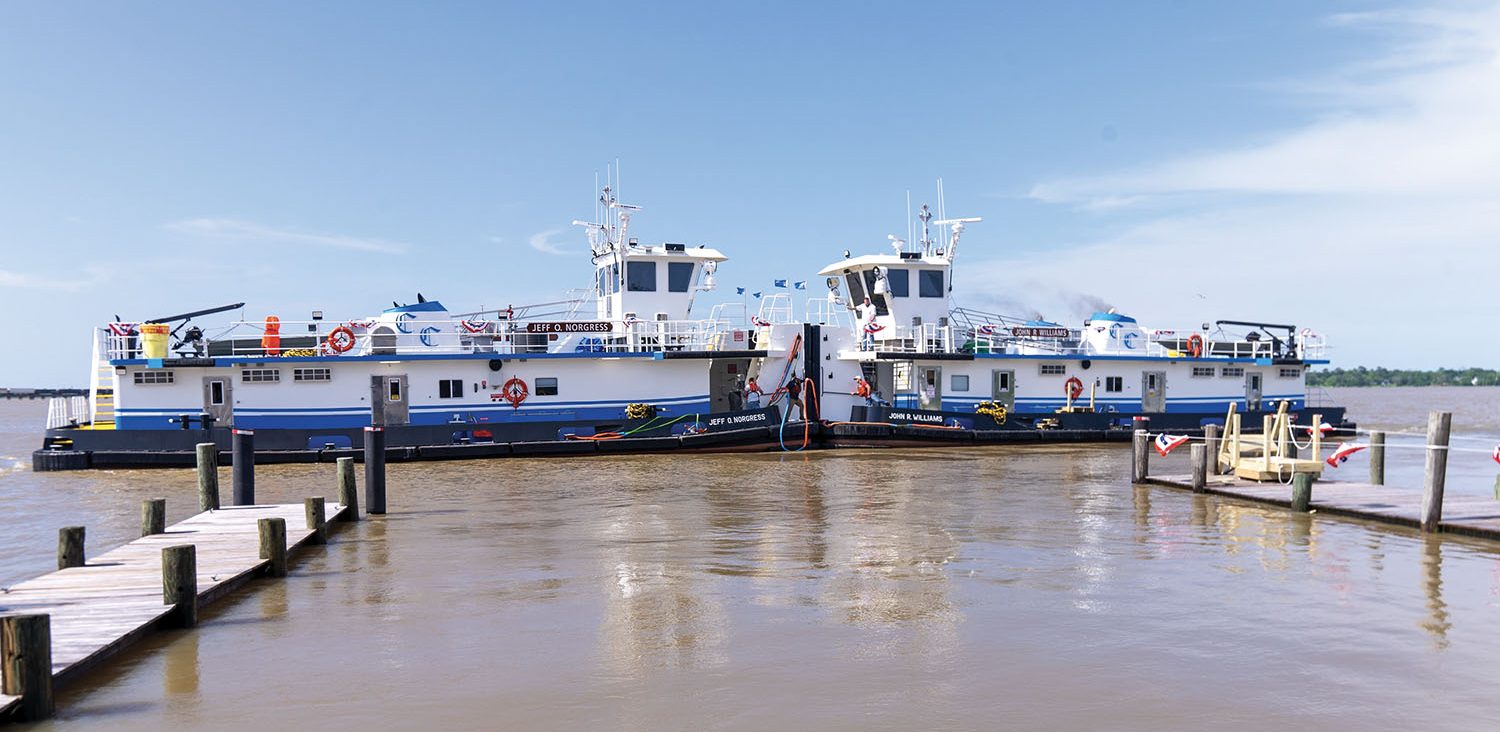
{"x":756,"y":294}
{"x":780,"y":283}
{"x":800,"y":285}
{"x":739,"y":290}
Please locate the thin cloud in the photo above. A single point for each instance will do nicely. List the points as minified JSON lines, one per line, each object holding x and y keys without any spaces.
{"x":237,"y":230}
{"x":1391,"y":190}
{"x":28,"y":281}
{"x":543,"y":243}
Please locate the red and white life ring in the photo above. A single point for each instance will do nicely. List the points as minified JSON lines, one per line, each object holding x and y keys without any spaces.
{"x":1195,"y":345}
{"x":759,"y":322}
{"x":515,"y":392}
{"x":340,"y":339}
{"x":1073,"y":387}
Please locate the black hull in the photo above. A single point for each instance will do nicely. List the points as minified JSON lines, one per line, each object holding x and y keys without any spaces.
{"x":102,"y":449}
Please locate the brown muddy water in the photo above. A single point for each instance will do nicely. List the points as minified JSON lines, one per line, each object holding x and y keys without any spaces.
{"x":994,"y":588}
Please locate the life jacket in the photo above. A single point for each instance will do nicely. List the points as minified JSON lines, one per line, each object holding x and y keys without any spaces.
{"x":271,"y":341}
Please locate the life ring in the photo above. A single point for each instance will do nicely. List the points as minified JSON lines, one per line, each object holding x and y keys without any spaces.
{"x":340,"y":339}
{"x":1073,"y":387}
{"x":759,"y":322}
{"x":1195,"y":345}
{"x":515,"y":392}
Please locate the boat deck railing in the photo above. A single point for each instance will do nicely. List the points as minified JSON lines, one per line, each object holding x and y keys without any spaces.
{"x":930,"y":338}
{"x":498,"y":336}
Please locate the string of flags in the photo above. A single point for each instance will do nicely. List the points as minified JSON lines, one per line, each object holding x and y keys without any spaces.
{"x":780,"y":284}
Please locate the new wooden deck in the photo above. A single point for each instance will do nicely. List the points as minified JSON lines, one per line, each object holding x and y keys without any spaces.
{"x":100,"y":608}
{"x":1468,"y":515}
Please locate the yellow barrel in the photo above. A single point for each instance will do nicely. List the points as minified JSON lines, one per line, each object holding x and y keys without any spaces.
{"x":154,"y":338}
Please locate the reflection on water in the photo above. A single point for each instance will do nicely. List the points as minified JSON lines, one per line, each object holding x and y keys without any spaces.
{"x":949,"y":589}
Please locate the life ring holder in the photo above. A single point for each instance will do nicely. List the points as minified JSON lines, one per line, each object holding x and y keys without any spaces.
{"x":340,"y":339}
{"x":1195,"y":345}
{"x":1073,"y":387}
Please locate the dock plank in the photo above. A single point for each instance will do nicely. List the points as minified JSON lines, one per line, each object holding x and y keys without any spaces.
{"x":1467,"y":515}
{"x":103,"y":606}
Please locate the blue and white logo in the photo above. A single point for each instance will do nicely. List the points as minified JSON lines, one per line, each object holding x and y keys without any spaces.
{"x":401,"y":322}
{"x":427,"y":335}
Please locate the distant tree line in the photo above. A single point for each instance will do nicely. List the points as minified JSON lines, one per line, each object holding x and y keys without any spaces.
{"x":1403,"y":377}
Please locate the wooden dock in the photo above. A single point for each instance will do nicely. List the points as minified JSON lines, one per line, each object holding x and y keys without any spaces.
{"x":116,"y":597}
{"x":1466,"y":515}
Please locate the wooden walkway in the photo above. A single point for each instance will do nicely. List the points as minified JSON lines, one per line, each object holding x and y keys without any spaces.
{"x":1467,"y":515}
{"x":102,"y":607}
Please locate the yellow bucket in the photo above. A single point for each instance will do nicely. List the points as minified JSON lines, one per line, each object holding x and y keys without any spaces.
{"x":154,"y":338}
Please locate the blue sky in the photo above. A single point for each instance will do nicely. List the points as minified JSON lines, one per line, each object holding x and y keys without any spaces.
{"x":1333,"y":164}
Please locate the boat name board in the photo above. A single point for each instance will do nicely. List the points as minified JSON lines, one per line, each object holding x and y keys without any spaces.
{"x":740,"y":420}
{"x":1033,"y":332}
{"x":917,"y":417}
{"x":571,"y":326}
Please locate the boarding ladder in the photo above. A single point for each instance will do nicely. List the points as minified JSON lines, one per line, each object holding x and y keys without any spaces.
{"x":102,"y":386}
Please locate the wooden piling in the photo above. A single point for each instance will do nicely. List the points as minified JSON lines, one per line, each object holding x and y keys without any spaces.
{"x":26,"y":663}
{"x":1377,"y":458}
{"x":1198,"y":456}
{"x":208,"y":476}
{"x":348,"y":491}
{"x":1140,"y":457}
{"x":1438,"y":426}
{"x":316,"y":522}
{"x":1211,"y":444}
{"x":1302,"y":491}
{"x":70,"y":547}
{"x":273,"y":545}
{"x":179,"y":582}
{"x":153,"y":516}
{"x":375,"y":470}
{"x":242,"y":473}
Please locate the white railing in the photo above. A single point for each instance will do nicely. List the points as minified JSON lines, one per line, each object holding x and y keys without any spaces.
{"x":443,"y":336}
{"x":930,"y":338}
{"x":67,"y":411}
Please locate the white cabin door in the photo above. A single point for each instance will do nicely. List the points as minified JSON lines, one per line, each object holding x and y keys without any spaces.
{"x":1252,"y":390}
{"x":1153,"y":391}
{"x":388,"y":399}
{"x":218,"y":401}
{"x":930,"y":387}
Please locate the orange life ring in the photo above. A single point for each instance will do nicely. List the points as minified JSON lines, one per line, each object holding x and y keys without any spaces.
{"x":1195,"y":345}
{"x":340,"y":339}
{"x":515,"y":392}
{"x":1073,"y":387}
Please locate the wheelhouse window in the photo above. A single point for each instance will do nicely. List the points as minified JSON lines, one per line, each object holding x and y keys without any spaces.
{"x":679,"y":276}
{"x":1053,"y":369}
{"x":546,"y":386}
{"x":930,"y":282}
{"x":877,"y":300}
{"x":640,"y":276}
{"x":260,"y":376}
{"x":1114,"y":383}
{"x":450,"y":388}
{"x":899,"y":281}
{"x":153,"y":377}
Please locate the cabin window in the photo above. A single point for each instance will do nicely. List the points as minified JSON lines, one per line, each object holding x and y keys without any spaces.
{"x":546,"y":386}
{"x":216,"y":393}
{"x":856,"y":288}
{"x":1053,"y":369}
{"x":260,"y":376}
{"x":1114,"y":383}
{"x":930,"y":282}
{"x":960,"y":382}
{"x":450,"y":388}
{"x":877,"y":300}
{"x":640,"y":276}
{"x":1232,"y":371}
{"x":1291,"y":373}
{"x":312,"y":374}
{"x":153,"y":377}
{"x":679,"y":276}
{"x":1203,"y":371}
{"x":899,"y":281}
